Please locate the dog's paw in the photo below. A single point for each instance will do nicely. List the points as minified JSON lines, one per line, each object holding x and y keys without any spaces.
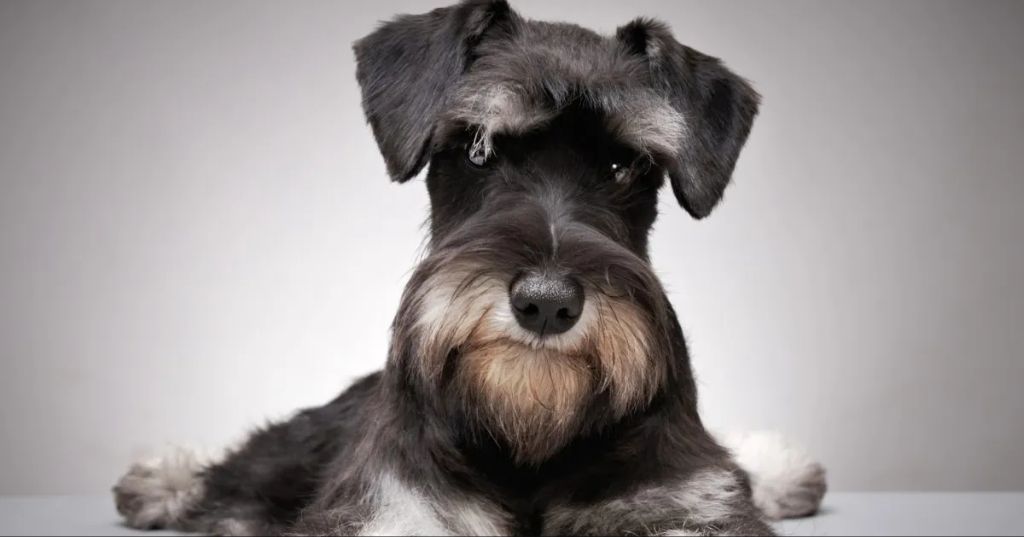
{"x":159,"y":492}
{"x":785,"y":480}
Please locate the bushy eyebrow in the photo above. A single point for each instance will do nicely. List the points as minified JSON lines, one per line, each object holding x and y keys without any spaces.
{"x":640,"y":119}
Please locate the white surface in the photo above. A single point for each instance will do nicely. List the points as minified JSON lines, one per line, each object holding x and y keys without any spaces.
{"x":196,"y":230}
{"x":844,"y":514}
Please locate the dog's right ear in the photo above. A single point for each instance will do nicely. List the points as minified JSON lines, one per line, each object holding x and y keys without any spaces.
{"x":406,"y":69}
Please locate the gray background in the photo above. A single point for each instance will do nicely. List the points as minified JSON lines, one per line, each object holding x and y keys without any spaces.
{"x":196,"y":231}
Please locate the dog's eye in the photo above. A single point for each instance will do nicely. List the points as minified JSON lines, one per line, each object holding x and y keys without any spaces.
{"x":621,"y":173}
{"x":624,"y":169}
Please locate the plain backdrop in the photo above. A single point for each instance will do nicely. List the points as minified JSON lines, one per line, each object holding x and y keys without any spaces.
{"x":197,"y":233}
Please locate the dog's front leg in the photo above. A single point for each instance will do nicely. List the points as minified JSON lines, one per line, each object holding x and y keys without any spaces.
{"x":709,"y":502}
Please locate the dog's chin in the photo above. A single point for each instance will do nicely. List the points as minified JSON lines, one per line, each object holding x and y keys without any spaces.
{"x":532,"y":397}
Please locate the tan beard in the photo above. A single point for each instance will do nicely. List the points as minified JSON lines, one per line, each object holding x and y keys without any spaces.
{"x":533,"y":398}
{"x":533,"y":394}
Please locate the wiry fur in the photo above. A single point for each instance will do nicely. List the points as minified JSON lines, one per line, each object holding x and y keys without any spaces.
{"x":477,"y":425}
{"x":786,"y":481}
{"x":706,"y":503}
{"x":505,"y":74}
{"x":532,"y":391}
{"x":159,"y":492}
{"x":536,"y":69}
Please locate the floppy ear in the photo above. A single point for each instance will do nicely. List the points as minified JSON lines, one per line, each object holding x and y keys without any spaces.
{"x":406,"y":69}
{"x":719,"y":108}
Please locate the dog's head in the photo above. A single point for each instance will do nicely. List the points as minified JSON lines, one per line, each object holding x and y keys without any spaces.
{"x":536,"y":315}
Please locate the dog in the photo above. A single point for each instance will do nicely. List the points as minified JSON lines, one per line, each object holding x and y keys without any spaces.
{"x":537,"y":381}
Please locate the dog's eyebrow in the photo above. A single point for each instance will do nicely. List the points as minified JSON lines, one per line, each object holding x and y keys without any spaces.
{"x":643,"y":121}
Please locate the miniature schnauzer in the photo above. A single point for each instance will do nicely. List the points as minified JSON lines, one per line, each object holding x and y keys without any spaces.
{"x":537,"y":381}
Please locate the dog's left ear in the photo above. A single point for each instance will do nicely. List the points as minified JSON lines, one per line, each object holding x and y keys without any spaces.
{"x":718,"y":107}
{"x":406,"y":69}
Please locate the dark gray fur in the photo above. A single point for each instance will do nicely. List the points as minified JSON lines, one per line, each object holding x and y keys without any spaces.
{"x":543,"y":201}
{"x":446,"y":57}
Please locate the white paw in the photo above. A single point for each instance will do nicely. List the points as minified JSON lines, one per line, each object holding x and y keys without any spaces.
{"x":159,"y":492}
{"x":786,"y":481}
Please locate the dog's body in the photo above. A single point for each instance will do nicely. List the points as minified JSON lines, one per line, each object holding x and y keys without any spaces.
{"x":538,"y":381}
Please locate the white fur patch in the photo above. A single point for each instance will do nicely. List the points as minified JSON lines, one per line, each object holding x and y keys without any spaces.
{"x":159,"y":492}
{"x":477,"y":518}
{"x":786,"y":481}
{"x":400,"y":509}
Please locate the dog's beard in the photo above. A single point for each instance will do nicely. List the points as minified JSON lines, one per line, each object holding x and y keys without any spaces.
{"x":532,"y":393}
{"x":532,"y":398}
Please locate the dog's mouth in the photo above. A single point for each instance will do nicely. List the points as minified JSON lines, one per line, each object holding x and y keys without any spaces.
{"x":537,"y":349}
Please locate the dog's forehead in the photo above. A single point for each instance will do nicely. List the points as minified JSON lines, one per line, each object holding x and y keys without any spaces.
{"x":523,"y":78}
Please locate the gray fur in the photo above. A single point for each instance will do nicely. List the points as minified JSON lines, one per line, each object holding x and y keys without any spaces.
{"x":480,"y":66}
{"x":406,"y":70}
{"x":475,"y":426}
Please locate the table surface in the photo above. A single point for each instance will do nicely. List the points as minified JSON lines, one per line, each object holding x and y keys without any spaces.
{"x":844,"y":513}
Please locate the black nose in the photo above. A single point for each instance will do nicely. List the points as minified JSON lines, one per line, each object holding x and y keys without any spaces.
{"x":546,"y":304}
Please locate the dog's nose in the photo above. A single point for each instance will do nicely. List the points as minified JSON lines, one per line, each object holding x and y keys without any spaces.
{"x":546,"y":304}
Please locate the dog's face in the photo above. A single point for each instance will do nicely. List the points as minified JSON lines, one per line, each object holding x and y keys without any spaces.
{"x":536,"y":315}
{"x":538,"y":294}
